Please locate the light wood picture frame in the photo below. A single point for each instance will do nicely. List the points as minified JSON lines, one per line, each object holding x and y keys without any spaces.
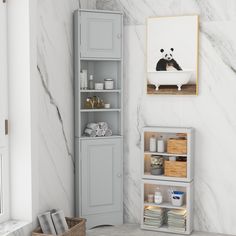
{"x":172,"y":55}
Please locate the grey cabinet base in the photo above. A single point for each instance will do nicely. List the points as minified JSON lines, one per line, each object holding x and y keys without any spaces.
{"x":113,"y":218}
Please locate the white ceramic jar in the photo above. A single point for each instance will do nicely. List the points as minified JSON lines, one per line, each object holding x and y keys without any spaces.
{"x":109,"y":84}
{"x":99,"y":86}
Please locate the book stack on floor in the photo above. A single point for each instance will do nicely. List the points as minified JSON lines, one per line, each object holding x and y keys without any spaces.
{"x":154,"y":216}
{"x":53,"y":222}
{"x":176,"y":220}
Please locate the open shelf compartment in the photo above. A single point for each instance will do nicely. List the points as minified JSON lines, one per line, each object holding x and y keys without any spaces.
{"x":150,"y":186}
{"x":114,"y":99}
{"x":113,"y":120}
{"x":103,"y":70}
{"x":183,"y":160}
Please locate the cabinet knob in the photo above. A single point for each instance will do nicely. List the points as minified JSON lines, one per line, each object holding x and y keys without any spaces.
{"x":119,"y":175}
{"x":119,"y":36}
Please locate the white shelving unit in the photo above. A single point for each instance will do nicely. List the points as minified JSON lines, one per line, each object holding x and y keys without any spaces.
{"x":165,"y":183}
{"x":99,"y":160}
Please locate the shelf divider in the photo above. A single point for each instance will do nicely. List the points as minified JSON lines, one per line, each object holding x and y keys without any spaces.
{"x":100,"y":110}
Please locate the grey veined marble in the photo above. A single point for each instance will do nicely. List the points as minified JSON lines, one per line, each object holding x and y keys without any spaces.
{"x":212,"y":113}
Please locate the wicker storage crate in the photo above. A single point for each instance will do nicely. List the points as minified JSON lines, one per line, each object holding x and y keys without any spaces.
{"x":177,"y":146}
{"x":175,"y":169}
{"x":76,"y":228}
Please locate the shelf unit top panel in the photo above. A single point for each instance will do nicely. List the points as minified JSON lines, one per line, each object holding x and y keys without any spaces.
{"x":168,"y":129}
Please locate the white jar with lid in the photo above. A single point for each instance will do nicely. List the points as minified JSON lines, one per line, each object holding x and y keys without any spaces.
{"x":158,"y":199}
{"x":109,"y":83}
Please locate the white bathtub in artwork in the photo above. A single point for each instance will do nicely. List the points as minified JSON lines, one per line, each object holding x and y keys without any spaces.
{"x":177,"y":78}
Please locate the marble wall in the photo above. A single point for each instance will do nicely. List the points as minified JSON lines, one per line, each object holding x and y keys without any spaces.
{"x":55,"y":103}
{"x":212,"y":113}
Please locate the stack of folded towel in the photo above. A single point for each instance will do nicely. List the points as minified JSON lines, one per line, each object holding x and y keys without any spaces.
{"x":99,"y":129}
{"x":177,"y":220}
{"x":154,"y":216}
{"x":53,"y":222}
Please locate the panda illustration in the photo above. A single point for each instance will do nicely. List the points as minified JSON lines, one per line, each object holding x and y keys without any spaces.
{"x":167,"y":63}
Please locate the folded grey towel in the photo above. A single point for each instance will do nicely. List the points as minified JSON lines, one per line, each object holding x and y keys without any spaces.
{"x":108,"y":132}
{"x":99,"y":132}
{"x":46,"y":224}
{"x":90,"y":132}
{"x":103,"y":125}
{"x":93,"y":126}
{"x":59,"y":221}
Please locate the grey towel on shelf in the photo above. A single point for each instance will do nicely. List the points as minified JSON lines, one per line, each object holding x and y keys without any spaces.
{"x":90,"y":132}
{"x":99,"y":129}
{"x":59,"y":222}
{"x":103,"y":125}
{"x":99,"y":133}
{"x":108,"y":132}
{"x":93,"y":126}
{"x":46,"y":224}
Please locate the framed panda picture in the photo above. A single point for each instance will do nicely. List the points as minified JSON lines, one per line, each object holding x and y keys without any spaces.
{"x":172,"y":55}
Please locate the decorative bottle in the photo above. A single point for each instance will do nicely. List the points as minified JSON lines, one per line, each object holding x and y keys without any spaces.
{"x":91,"y":82}
{"x":160,"y":145}
{"x":152,"y":144}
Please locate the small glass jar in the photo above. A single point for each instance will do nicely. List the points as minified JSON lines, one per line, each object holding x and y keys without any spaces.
{"x":109,"y":83}
{"x":150,"y":198}
{"x":158,"y":199}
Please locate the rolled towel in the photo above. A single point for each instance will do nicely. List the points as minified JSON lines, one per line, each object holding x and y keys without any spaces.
{"x":59,"y":221}
{"x":90,"y":132}
{"x":46,"y":224}
{"x":103,"y":132}
{"x":99,"y":133}
{"x":93,"y":126}
{"x":103,"y":125}
{"x":108,"y":132}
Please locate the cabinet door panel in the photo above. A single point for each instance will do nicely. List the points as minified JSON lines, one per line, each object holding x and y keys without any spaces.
{"x":100,"y":35}
{"x":101,"y":176}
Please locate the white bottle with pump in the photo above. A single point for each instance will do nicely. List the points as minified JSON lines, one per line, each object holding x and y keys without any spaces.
{"x":152,"y":144}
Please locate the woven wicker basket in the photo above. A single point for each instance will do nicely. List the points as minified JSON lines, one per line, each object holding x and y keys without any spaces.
{"x":76,"y":228}
{"x":177,"y":146}
{"x":175,"y":169}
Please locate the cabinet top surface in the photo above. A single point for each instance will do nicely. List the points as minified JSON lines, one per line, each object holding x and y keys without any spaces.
{"x":100,"y":11}
{"x":167,"y":129}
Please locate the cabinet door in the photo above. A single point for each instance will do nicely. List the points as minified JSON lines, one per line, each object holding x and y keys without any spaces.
{"x":100,"y":35}
{"x":101,"y":168}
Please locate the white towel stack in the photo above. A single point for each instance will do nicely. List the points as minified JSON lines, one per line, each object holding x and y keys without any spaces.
{"x":177,"y":220}
{"x":99,"y":129}
{"x":154,"y":216}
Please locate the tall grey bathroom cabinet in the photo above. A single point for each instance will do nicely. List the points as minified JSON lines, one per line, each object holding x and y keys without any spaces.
{"x":99,"y":160}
